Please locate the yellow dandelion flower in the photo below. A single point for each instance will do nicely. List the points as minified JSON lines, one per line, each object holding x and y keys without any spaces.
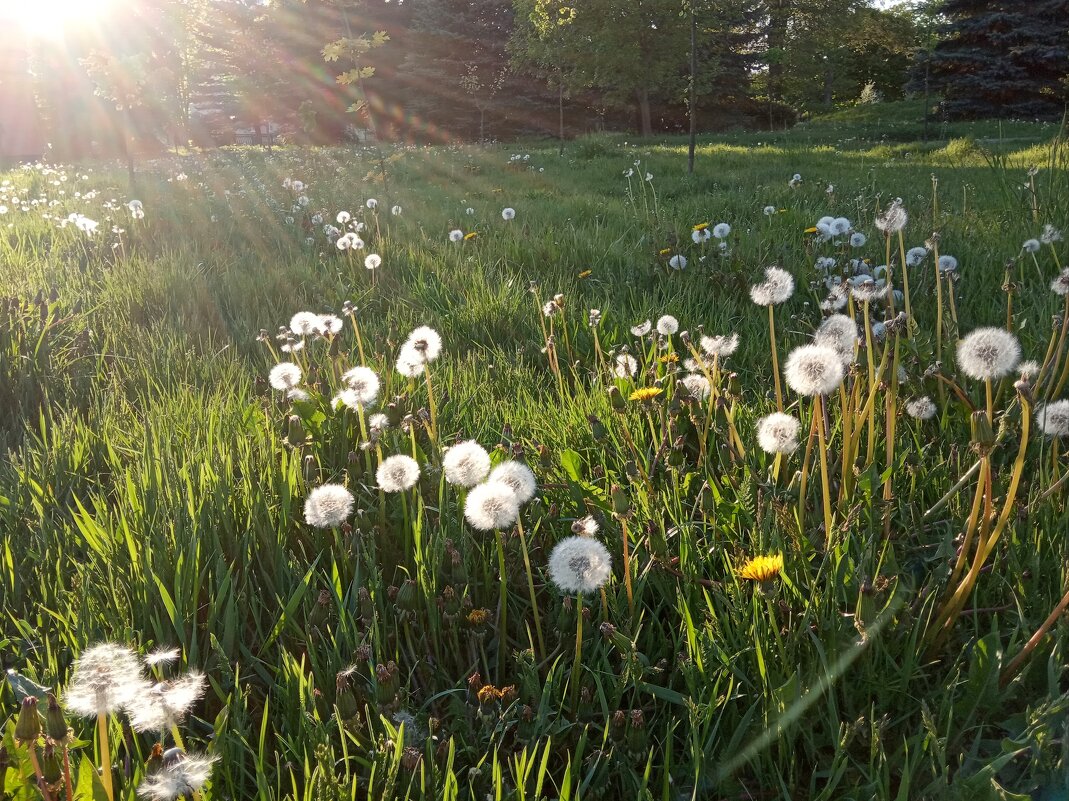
{"x":811,"y":230}
{"x":664,"y":252}
{"x":471,"y":235}
{"x":783,"y":211}
{"x":645,"y":394}
{"x":762,"y":568}
{"x":669,"y":358}
{"x":701,"y":226}
{"x":585,"y":273}
{"x":477,"y":617}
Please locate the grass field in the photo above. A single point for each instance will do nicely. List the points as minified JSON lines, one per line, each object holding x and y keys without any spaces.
{"x":153,"y":487}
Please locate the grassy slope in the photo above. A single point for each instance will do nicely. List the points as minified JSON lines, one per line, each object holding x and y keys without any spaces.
{"x":155,"y":501}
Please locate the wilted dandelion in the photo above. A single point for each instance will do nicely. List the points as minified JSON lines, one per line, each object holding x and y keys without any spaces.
{"x":397,"y":473}
{"x":778,"y":433}
{"x":893,"y":219}
{"x":466,"y":464}
{"x":1050,"y":235}
{"x":1060,"y":285}
{"x":328,"y":506}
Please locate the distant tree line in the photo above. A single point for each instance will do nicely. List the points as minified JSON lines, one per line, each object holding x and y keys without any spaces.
{"x":171,"y":72}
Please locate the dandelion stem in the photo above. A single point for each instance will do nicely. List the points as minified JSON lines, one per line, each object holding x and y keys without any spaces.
{"x":578,"y":652}
{"x":805,"y":474}
{"x":430,"y":403}
{"x":627,"y":568}
{"x":982,"y":489}
{"x":818,"y":414}
{"x":42,"y":785}
{"x":531,"y":588}
{"x":775,"y":356}
{"x":1013,"y":667}
{"x":502,"y":610}
{"x":105,"y":756}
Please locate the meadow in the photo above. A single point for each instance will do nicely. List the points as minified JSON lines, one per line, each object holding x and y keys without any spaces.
{"x":834,"y":551}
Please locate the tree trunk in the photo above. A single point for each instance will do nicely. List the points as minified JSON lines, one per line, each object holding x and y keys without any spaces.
{"x":828,"y":76}
{"x":692,"y":111}
{"x":777,"y":39}
{"x":927,"y":91}
{"x":644,"y":111}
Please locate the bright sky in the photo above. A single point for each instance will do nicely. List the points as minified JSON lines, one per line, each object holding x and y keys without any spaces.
{"x":48,"y":18}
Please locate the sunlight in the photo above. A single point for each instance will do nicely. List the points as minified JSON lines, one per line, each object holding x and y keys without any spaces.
{"x":48,"y":19}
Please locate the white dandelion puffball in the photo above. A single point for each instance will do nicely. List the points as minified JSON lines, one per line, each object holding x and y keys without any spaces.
{"x":508,"y":214}
{"x":915,"y":256}
{"x":698,"y":237}
{"x":343,"y":217}
{"x":410,"y":362}
{"x":778,"y":433}
{"x":585,"y":526}
{"x":466,"y":464}
{"x":697,"y":385}
{"x":624,"y":365}
{"x":922,"y":408}
{"x":182,"y":779}
{"x":518,"y":477}
{"x":377,"y":423}
{"x":948,"y":264}
{"x":1053,"y":418}
{"x":678,"y":262}
{"x":363,"y":383}
{"x":397,"y":473}
{"x":395,"y":211}
{"x":1050,"y":235}
{"x":721,"y":230}
{"x":1029,"y":369}
{"x":1031,"y":246}
{"x":328,"y":506}
{"x":988,"y":353}
{"x":491,"y":506}
{"x":579,"y":565}
{"x":330,"y":324}
{"x":372,"y":203}
{"x":305,"y":324}
{"x":425,"y":341}
{"x":838,"y":332}
{"x":373,"y":261}
{"x":106,"y":678}
{"x":769,"y":210}
{"x":469,"y":211}
{"x":719,"y":346}
{"x":284,"y":376}
{"x":456,"y":235}
{"x":777,"y":288}
{"x":667,"y":325}
{"x":893,"y":219}
{"x":814,"y":370}
{"x":840,"y":225}
{"x":858,"y":240}
{"x":1060,"y":285}
{"x":167,"y":703}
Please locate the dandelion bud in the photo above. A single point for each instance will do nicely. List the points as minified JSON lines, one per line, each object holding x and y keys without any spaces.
{"x":620,"y":502}
{"x":616,"y":400}
{"x":597,"y":428}
{"x":28,"y":725}
{"x":620,"y":641}
{"x":55,"y":724}
{"x":983,"y":437}
{"x":387,"y":682}
{"x":309,"y":465}
{"x":348,"y":708}
{"x":295,"y":434}
{"x":631,"y":471}
{"x":408,"y":596}
{"x":51,"y":766}
{"x":545,"y":457}
{"x":637,"y":739}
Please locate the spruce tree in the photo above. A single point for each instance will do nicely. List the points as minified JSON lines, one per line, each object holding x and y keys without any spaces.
{"x":1002,"y":58}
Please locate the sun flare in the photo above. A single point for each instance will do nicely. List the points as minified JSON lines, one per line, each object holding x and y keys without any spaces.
{"x":48,"y":19}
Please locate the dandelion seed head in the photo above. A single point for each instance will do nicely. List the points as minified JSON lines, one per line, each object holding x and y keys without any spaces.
{"x":778,"y":433}
{"x":624,"y":365}
{"x":988,"y":353}
{"x":840,"y":226}
{"x":1053,"y":418}
{"x":328,"y":506}
{"x":838,"y":332}
{"x":678,"y":262}
{"x":814,"y":370}
{"x":914,"y":256}
{"x":508,"y":214}
{"x":456,"y":235}
{"x":697,"y":385}
{"x":769,"y":210}
{"x":893,"y":219}
{"x":179,"y":779}
{"x":777,"y":288}
{"x":579,"y":565}
{"x":1028,"y":370}
{"x":947,"y":264}
{"x":667,"y":325}
{"x":1031,"y":246}
{"x":518,"y":477}
{"x":1060,"y":285}
{"x":372,"y":203}
{"x":466,"y":464}
{"x":719,"y":346}
{"x":410,"y":362}
{"x":491,"y":506}
{"x":167,"y":703}
{"x":721,"y":230}
{"x":162,"y":656}
{"x":585,"y":526}
{"x":305,"y":324}
{"x":397,"y":473}
{"x":922,"y":408}
{"x":372,"y":261}
{"x":641,"y":329}
{"x":858,"y":239}
{"x":284,"y":376}
{"x":1050,"y":235}
{"x":107,"y":677}
{"x":363,"y":383}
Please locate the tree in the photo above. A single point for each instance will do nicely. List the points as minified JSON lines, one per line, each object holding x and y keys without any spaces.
{"x":1002,"y":59}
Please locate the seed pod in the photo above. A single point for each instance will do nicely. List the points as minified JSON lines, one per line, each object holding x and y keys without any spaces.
{"x":620,"y":502}
{"x":983,"y":436}
{"x":28,"y":726}
{"x":55,"y":724}
{"x":408,"y":596}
